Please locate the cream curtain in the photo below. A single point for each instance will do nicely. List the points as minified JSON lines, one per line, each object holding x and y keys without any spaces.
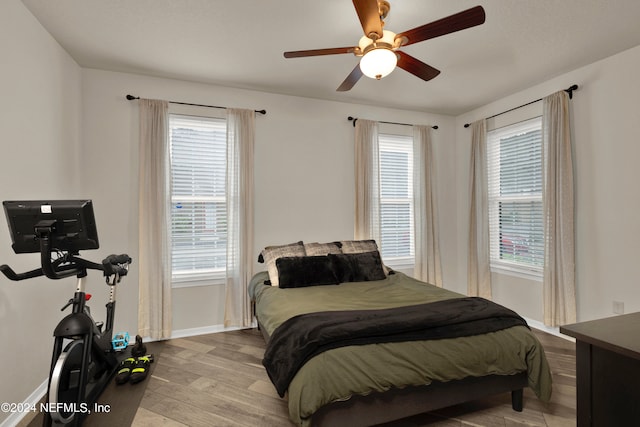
{"x":367,"y":175}
{"x":559,"y":291}
{"x":427,"y":248}
{"x":240,"y":150}
{"x":478,"y":272}
{"x":154,"y":265}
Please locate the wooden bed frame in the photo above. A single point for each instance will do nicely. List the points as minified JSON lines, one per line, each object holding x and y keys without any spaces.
{"x":395,"y":404}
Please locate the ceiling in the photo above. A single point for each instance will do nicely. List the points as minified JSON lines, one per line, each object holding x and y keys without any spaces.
{"x":240,"y":44}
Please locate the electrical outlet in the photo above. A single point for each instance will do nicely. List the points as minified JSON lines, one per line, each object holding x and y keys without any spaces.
{"x":618,"y":307}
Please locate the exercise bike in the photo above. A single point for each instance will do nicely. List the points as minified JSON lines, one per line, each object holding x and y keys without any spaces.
{"x":83,"y":360}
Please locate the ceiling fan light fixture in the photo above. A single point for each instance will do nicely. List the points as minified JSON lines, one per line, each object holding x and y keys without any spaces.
{"x":378,"y":59}
{"x":378,"y":63}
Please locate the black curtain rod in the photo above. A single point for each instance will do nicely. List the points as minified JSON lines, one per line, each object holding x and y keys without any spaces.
{"x":355,"y":119}
{"x":131,"y":98}
{"x":568,"y":90}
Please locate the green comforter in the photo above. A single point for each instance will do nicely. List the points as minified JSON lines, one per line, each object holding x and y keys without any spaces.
{"x":340,"y":373}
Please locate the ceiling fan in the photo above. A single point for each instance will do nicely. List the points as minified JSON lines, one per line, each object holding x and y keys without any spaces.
{"x":379,"y":49}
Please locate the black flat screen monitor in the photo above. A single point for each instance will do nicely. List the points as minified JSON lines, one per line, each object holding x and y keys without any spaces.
{"x":72,"y":224}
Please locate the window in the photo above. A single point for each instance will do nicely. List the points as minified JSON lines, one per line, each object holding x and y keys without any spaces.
{"x":396,"y":199}
{"x":514,"y":155}
{"x":198,"y":201}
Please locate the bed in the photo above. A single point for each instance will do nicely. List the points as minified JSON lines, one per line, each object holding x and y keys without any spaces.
{"x":369,"y":383}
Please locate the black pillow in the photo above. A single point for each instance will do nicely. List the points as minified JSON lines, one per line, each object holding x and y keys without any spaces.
{"x":360,"y":267}
{"x":302,"y":271}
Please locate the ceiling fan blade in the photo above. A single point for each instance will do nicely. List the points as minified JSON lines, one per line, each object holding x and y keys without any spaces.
{"x":369,"y":15}
{"x":416,"y":67}
{"x":459,"y":21}
{"x":351,"y":80}
{"x":318,"y":52}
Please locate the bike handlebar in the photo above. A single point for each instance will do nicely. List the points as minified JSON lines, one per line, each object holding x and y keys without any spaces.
{"x":116,"y":264}
{"x":72,"y":265}
{"x":12,"y":275}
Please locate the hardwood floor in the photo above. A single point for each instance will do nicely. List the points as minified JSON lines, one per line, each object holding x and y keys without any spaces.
{"x":218,"y":380}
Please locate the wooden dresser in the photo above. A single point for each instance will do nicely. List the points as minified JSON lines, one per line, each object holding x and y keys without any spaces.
{"x":607,"y":370}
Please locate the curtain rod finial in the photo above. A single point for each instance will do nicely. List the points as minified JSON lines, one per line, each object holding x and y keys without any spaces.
{"x":131,"y":97}
{"x":571,"y":89}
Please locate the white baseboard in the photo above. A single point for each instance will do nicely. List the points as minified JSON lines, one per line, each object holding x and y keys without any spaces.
{"x":32,"y":401}
{"x":203,"y":330}
{"x":190,"y":332}
{"x":548,"y":329}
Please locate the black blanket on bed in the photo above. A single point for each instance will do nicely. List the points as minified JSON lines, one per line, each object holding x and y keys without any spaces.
{"x":304,"y":336}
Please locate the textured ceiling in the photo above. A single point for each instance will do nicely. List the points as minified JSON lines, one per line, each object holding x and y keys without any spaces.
{"x":240,"y":44}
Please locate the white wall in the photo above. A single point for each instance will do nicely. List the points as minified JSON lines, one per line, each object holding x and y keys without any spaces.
{"x":605,"y":114}
{"x":40,"y":117}
{"x":304,"y":179}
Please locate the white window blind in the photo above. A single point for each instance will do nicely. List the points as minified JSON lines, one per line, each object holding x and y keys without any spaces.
{"x":198,"y":184}
{"x":514,"y":156}
{"x":396,"y":198}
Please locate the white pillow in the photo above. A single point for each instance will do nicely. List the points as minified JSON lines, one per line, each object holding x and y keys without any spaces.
{"x":271,"y":253}
{"x":316,"y":248}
